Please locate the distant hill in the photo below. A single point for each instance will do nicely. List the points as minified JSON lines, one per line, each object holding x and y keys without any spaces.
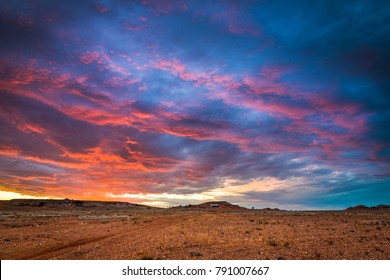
{"x":85,"y":204}
{"x":364,"y":207}
{"x":224,"y":205}
{"x":69,"y":203}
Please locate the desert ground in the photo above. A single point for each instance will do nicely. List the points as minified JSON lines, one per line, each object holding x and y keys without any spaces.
{"x":123,"y":232}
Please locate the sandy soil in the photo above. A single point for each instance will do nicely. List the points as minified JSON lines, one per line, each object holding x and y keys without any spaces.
{"x":181,"y":234}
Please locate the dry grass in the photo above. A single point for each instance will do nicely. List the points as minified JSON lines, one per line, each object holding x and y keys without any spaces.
{"x":119,"y":234}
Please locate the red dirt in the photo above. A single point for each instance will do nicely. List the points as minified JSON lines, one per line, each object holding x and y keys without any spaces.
{"x":140,"y":233}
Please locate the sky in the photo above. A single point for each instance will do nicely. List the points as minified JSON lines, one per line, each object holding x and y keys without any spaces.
{"x":260,"y":103}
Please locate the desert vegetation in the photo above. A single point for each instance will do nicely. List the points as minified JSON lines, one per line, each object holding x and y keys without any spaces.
{"x":191,"y":233}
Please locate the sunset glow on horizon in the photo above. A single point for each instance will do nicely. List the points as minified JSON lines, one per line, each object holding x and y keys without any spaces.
{"x":259,"y":103}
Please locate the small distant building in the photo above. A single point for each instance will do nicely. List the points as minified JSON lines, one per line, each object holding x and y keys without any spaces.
{"x":214,"y":205}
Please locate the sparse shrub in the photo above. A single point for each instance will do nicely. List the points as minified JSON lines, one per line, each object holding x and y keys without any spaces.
{"x":104,"y":222}
{"x":379,"y":250}
{"x":195,"y":254}
{"x":79,"y":252}
{"x":147,"y":257}
{"x":272,"y":242}
{"x":16,"y":226}
{"x":330,"y":242}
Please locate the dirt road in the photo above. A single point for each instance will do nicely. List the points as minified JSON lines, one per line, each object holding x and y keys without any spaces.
{"x":119,"y":234}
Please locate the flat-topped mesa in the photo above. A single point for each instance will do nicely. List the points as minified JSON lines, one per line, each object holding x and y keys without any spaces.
{"x":215,"y":205}
{"x":70,"y":203}
{"x":364,"y":207}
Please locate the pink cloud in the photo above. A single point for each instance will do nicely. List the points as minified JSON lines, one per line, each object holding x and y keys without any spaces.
{"x":267,"y":81}
{"x":165,"y":6}
{"x":238,"y":27}
{"x":93,"y":56}
{"x":102,"y":9}
{"x":210,"y":79}
{"x":134,"y":26}
{"x":103,"y":60}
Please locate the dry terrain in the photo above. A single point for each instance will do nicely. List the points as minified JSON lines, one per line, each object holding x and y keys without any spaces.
{"x":135,"y":232}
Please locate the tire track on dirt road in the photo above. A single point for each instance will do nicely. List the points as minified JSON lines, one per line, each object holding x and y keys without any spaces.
{"x":46,"y":254}
{"x":135,"y":233}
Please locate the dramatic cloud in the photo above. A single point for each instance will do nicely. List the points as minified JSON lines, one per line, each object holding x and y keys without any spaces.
{"x":262,"y":103}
